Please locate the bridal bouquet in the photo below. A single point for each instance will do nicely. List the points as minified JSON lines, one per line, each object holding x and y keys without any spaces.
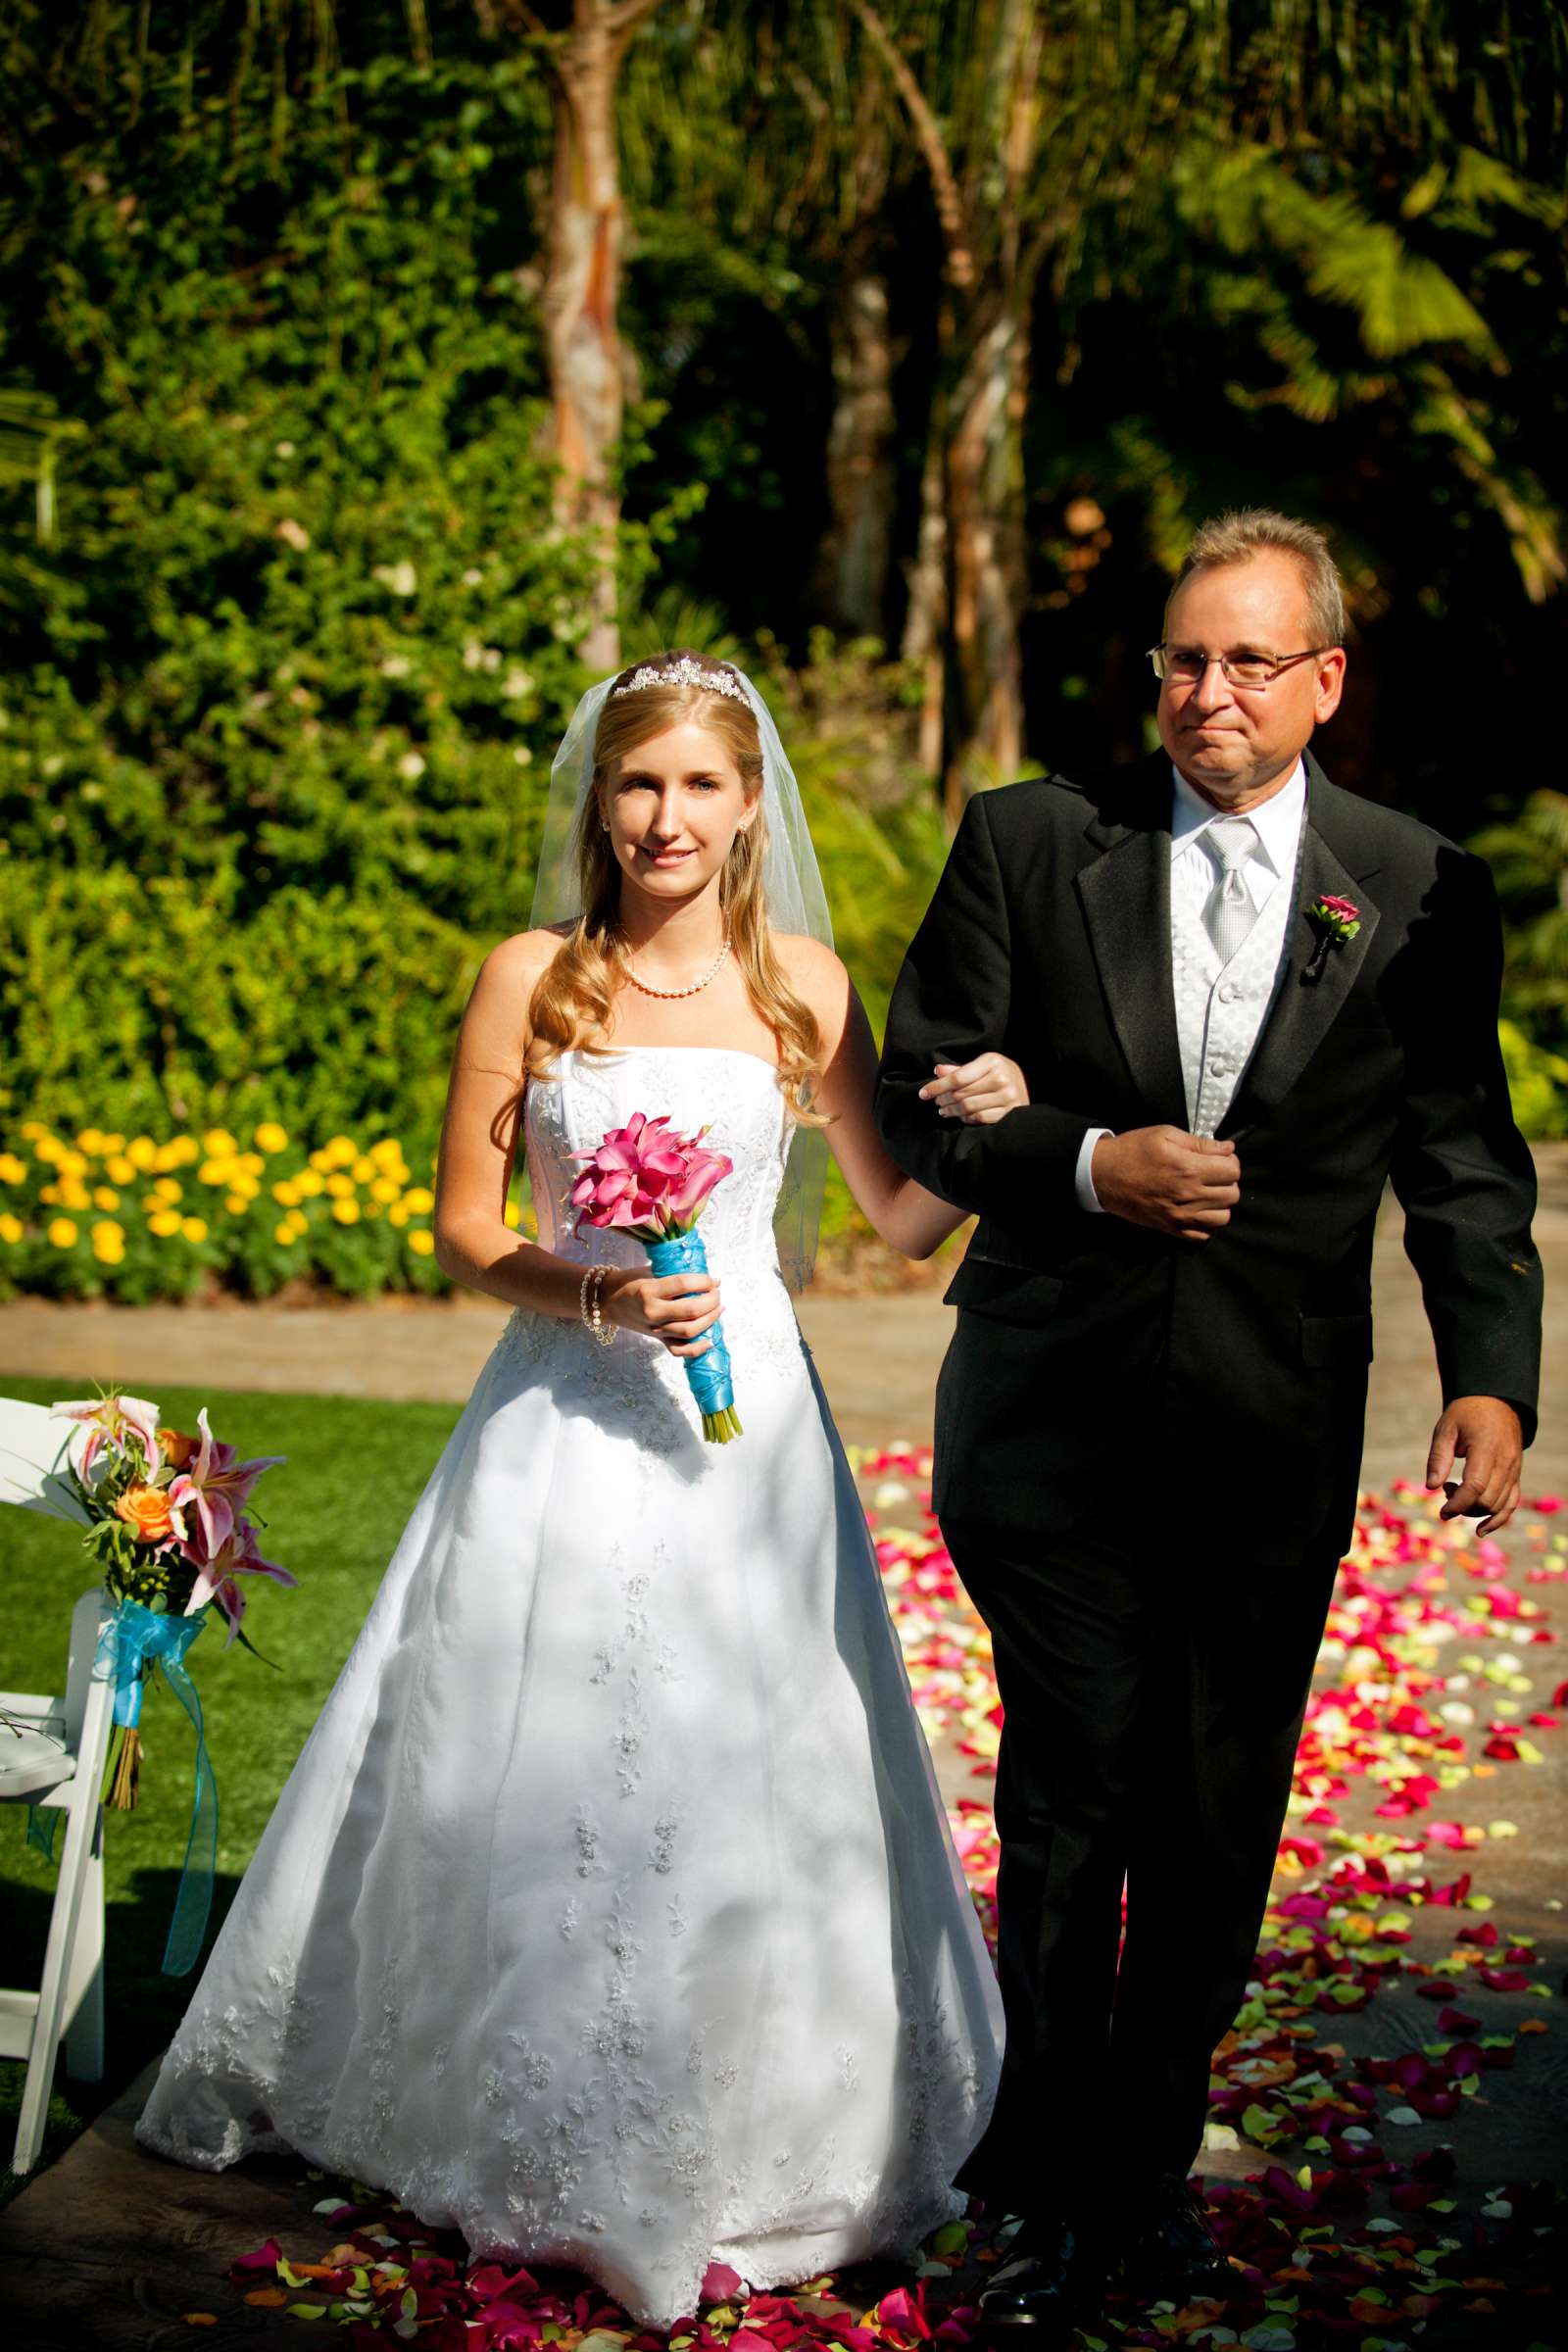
{"x":652,"y":1185}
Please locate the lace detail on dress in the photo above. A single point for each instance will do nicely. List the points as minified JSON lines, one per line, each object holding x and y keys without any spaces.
{"x":748,"y":1120}
{"x":256,"y":2045}
{"x":664,"y":1855}
{"x":589,"y":1865}
{"x":633,"y":1651}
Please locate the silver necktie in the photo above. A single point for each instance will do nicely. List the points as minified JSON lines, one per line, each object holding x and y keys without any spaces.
{"x":1228,"y":913}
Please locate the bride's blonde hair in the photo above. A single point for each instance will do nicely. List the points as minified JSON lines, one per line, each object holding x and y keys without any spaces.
{"x":574,"y":999}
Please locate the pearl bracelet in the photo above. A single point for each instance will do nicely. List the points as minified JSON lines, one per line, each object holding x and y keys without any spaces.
{"x":598,"y":1328}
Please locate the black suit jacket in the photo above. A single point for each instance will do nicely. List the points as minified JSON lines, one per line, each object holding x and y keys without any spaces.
{"x":1104,"y":1377}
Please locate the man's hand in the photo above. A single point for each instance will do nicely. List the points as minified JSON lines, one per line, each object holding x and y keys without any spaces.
{"x":979,"y":1091}
{"x":1175,"y":1183}
{"x":1483,"y":1432}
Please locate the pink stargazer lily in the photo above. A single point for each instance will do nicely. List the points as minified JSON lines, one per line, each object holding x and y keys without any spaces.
{"x":646,"y":1180}
{"x":214,"y":1488}
{"x":237,"y":1556}
{"x":114,"y":1421}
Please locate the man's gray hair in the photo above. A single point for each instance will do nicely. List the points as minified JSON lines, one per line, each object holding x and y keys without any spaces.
{"x":1246,"y":531}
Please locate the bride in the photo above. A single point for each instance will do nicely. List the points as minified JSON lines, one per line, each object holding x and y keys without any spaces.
{"x":610,"y":1913}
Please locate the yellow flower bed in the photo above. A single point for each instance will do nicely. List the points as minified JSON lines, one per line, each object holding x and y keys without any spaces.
{"x":134,"y":1217}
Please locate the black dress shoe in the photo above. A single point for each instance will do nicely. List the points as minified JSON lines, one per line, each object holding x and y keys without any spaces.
{"x":1167,"y":2247}
{"x":1051,"y":2277}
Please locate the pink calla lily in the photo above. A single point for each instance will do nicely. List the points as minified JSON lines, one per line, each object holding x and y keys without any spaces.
{"x":645,"y":1179}
{"x":705,"y":1170}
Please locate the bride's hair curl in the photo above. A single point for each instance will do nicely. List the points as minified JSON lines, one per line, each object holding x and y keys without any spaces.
{"x":573,"y":1003}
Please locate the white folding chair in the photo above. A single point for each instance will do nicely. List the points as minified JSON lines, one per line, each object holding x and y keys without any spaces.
{"x":53,"y":1753}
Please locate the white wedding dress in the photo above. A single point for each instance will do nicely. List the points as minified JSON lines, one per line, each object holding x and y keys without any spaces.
{"x":610,"y":1913}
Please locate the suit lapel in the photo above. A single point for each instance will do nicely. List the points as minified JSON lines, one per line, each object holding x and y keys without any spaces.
{"x":1125,"y":896}
{"x":1332,"y":864}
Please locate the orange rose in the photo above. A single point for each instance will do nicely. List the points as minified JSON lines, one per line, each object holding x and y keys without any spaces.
{"x":176,"y":1448}
{"x":146,"y":1509}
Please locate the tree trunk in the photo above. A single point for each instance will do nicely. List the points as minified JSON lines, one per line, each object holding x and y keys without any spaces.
{"x":990,"y":266}
{"x":986,"y":562}
{"x":860,"y":479}
{"x":926,"y":627}
{"x":580,"y":302}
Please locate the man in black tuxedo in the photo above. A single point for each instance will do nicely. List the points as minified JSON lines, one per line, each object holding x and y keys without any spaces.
{"x":1242,"y":1000}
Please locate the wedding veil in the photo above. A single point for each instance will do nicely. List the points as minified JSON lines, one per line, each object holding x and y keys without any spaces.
{"x":792,"y":885}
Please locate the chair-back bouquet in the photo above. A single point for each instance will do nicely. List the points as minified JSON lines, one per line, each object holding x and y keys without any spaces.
{"x":166,"y":1522}
{"x":163,"y":1514}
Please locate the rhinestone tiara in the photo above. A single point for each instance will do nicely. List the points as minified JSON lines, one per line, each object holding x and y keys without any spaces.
{"x":684,"y":673}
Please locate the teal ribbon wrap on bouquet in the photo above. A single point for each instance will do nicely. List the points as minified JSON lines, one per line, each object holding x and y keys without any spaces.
{"x":707,"y":1376}
{"x":133,"y":1643}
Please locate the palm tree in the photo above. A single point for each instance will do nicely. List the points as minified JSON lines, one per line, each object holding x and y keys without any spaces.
{"x":1305,"y":263}
{"x":970,"y":573}
{"x":580,"y":302}
{"x":759,"y":161}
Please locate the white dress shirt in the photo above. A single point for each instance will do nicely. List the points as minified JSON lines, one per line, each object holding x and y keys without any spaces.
{"x":1220,"y":1008}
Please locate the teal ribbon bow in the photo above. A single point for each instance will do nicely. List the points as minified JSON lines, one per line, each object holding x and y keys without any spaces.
{"x":131,"y":1645}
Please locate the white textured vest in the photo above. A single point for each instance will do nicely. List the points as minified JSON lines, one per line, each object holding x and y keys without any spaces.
{"x":1220,"y":1010}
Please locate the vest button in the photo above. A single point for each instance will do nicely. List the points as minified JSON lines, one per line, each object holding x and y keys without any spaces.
{"x":1228,"y":992}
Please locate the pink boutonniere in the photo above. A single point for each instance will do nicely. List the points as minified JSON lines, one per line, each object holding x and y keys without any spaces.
{"x":1335,"y":922}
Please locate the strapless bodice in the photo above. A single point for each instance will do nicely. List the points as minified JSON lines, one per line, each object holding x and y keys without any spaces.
{"x":735,"y":1095}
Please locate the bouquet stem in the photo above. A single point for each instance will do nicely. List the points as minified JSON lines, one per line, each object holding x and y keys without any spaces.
{"x":707,"y":1376}
{"x":127,"y":1770}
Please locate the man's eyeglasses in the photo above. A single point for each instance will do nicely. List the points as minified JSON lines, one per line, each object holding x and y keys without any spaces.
{"x":1185,"y":664}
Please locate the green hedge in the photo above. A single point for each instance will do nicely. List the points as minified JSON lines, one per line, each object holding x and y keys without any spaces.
{"x":141,"y":1003}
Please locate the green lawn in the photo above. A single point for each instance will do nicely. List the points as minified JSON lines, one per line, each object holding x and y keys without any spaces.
{"x":334,"y":1515}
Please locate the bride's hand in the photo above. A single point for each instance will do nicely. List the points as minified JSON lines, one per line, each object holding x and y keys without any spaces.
{"x":979,"y":1091}
{"x":674,"y":1308}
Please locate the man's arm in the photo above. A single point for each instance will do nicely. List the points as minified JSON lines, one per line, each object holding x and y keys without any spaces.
{"x":1464,"y":1177}
{"x":950,"y":1004}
